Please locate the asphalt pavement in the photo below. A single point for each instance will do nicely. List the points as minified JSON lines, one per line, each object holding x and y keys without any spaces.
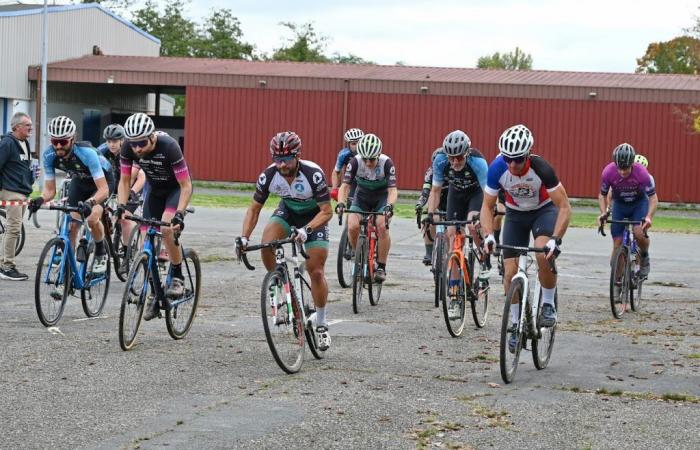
{"x":393,"y":378}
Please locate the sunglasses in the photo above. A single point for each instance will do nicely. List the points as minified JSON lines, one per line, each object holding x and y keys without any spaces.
{"x":61,"y":142}
{"x":283,"y":159}
{"x":456,"y":158}
{"x":516,"y":160}
{"x":369,"y":159}
{"x":141,"y":144}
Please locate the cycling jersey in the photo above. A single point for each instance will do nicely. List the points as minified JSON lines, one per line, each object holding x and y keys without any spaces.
{"x":344,"y":156}
{"x":629,"y":189}
{"x":302,"y":195}
{"x":526,"y":192}
{"x":469,"y":180}
{"x":82,"y":163}
{"x":380,"y":178}
{"x":164,"y":167}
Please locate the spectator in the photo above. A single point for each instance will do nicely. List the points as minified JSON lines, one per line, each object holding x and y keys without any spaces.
{"x":16,"y":179}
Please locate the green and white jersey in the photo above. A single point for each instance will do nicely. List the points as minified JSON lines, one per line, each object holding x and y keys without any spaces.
{"x":302,"y":195}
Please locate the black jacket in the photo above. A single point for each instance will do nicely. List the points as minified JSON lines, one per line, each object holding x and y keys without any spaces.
{"x":15,"y":173}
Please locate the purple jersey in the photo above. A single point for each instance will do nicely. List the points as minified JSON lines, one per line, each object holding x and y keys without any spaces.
{"x":636,"y":185}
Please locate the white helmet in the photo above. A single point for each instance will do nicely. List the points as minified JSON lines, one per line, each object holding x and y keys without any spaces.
{"x":516,"y":141}
{"x":61,"y":127}
{"x":370,"y":146}
{"x":353,"y":134}
{"x":138,"y":126}
{"x":456,"y":143}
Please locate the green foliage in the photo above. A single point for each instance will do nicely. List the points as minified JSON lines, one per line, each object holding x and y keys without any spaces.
{"x":178,"y":35}
{"x":304,"y":45}
{"x":515,"y":60}
{"x":679,"y":55}
{"x":349,"y":59}
{"x":221,"y":37}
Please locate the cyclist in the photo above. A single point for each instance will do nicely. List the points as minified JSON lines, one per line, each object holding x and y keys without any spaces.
{"x":352,"y":137}
{"x":375,"y":175}
{"x":423,"y":200}
{"x":645,"y":162}
{"x":536,"y":202}
{"x":305,"y":205}
{"x":92,"y":182}
{"x":114,"y":140}
{"x":633,"y":197}
{"x":169,"y":189}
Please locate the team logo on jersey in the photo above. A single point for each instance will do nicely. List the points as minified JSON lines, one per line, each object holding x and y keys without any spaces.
{"x":349,"y":167}
{"x":319,"y":234}
{"x":317,"y":177}
{"x":392,"y":171}
{"x":262,"y":179}
{"x":299,"y":187}
{"x":377,"y":171}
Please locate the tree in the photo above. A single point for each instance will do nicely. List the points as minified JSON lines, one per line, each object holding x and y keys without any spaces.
{"x":178,"y":35}
{"x":305,"y":45}
{"x":515,"y":60}
{"x":349,"y":59}
{"x":221,"y":37}
{"x":679,"y":55}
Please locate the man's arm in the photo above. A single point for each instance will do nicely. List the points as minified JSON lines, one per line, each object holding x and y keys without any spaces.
{"x":323,"y":216}
{"x":392,"y":195}
{"x":653,"y":204}
{"x":343,"y":193}
{"x":251,"y":218}
{"x":140,"y":177}
{"x":486,"y":213}
{"x":49,"y":190}
{"x":434,"y":198}
{"x":561,"y":201}
{"x":102,"y":190}
{"x":185,"y":193}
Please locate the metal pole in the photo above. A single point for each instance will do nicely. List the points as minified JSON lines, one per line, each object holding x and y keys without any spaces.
{"x":44,"y":59}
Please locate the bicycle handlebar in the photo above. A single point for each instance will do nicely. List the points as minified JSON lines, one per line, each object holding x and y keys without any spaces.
{"x":364,"y":213}
{"x":241,"y":252}
{"x":601,"y":228}
{"x":525,"y":250}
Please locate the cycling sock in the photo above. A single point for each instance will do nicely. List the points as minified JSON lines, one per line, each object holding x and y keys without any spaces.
{"x":100,"y":248}
{"x":428,"y":249}
{"x":514,"y":312}
{"x":643,"y":254}
{"x":548,"y":296}
{"x":321,"y":317}
{"x":381,"y":266}
{"x":177,"y":271}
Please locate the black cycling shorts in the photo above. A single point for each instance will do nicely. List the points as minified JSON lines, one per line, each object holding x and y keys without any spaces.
{"x":459,"y":204}
{"x":156,"y":202}
{"x":81,"y":189}
{"x":288,"y":219}
{"x":519,"y":224}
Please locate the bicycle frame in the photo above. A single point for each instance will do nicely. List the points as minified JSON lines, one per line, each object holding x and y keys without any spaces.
{"x":530,"y":315}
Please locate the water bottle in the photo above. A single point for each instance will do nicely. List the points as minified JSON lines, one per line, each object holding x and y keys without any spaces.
{"x":36,"y":172}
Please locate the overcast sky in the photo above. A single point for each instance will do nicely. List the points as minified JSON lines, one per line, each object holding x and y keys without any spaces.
{"x":577,"y":35}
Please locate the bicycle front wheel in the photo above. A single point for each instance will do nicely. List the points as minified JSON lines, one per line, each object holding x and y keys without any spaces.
{"x":283,"y":323}
{"x":619,"y":282}
{"x":307,"y":301}
{"x":180,"y":315}
{"x":375,"y":288}
{"x":52,"y":282}
{"x":133,"y":246}
{"x":636,"y":294}
{"x":345,"y":261}
{"x":359,"y":275}
{"x":94,"y":296}
{"x":438,"y":264}
{"x":454,"y":306}
{"x":509,"y":359}
{"x":544,"y":343}
{"x":478,"y":292}
{"x":137,"y":289}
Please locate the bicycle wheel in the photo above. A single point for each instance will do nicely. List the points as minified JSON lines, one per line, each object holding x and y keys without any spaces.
{"x":374,"y":288}
{"x":438,"y":264}
{"x":345,"y":260}
{"x":359,"y":275}
{"x":478,"y":292}
{"x":508,"y":360}
{"x":52,"y":283}
{"x":118,"y":251}
{"x":133,"y":246}
{"x":307,"y":301}
{"x":94,"y":296}
{"x":454,"y":305}
{"x":179,"y":317}
{"x":544,"y":343}
{"x":283,"y":324}
{"x":619,"y":283}
{"x":636,"y":294}
{"x":137,"y":290}
{"x":19,"y":245}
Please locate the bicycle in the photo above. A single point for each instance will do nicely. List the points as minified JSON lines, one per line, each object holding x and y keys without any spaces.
{"x":287,"y":315}
{"x":63,"y":270}
{"x":530,"y":316}
{"x":345,"y":258}
{"x":469,"y":286}
{"x":3,"y":227}
{"x":113,"y":229}
{"x":147,"y":281}
{"x":366,"y":252}
{"x":440,"y":243}
{"x":63,"y":196}
{"x":624,"y":275}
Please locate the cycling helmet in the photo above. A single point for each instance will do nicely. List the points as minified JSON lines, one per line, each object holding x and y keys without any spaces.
{"x":641,"y":160}
{"x":285,"y":143}
{"x":516,"y":141}
{"x":353,"y":135}
{"x":61,"y":127}
{"x":113,"y":132}
{"x":369,"y":147}
{"x":623,"y":155}
{"x":138,"y":126}
{"x":456,"y":143}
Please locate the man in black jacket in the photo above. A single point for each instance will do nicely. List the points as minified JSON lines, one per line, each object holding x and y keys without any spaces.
{"x":16,"y":179}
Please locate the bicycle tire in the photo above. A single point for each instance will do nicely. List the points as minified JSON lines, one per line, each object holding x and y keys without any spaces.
{"x":636,"y":294}
{"x":93,"y":308}
{"x":115,"y":249}
{"x":374,"y":288}
{"x":22,"y":233}
{"x":284,"y":332}
{"x":438,"y":264}
{"x":454,"y":295}
{"x":306,"y":300}
{"x":133,"y":246}
{"x":358,"y":282}
{"x":178,"y":319}
{"x":49,"y":307}
{"x":136,"y":289}
{"x":619,"y":274}
{"x":508,"y":368}
{"x":344,"y":260}
{"x":543,"y":344}
{"x":478,"y":291}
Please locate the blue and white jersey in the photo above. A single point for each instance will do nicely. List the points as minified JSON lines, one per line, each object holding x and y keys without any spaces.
{"x":81,"y":163}
{"x":344,"y":156}
{"x":469,"y":180}
{"x":525,"y":192}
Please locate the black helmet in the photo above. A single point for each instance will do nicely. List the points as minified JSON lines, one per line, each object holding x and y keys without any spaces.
{"x":113,"y":132}
{"x":623,"y":155}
